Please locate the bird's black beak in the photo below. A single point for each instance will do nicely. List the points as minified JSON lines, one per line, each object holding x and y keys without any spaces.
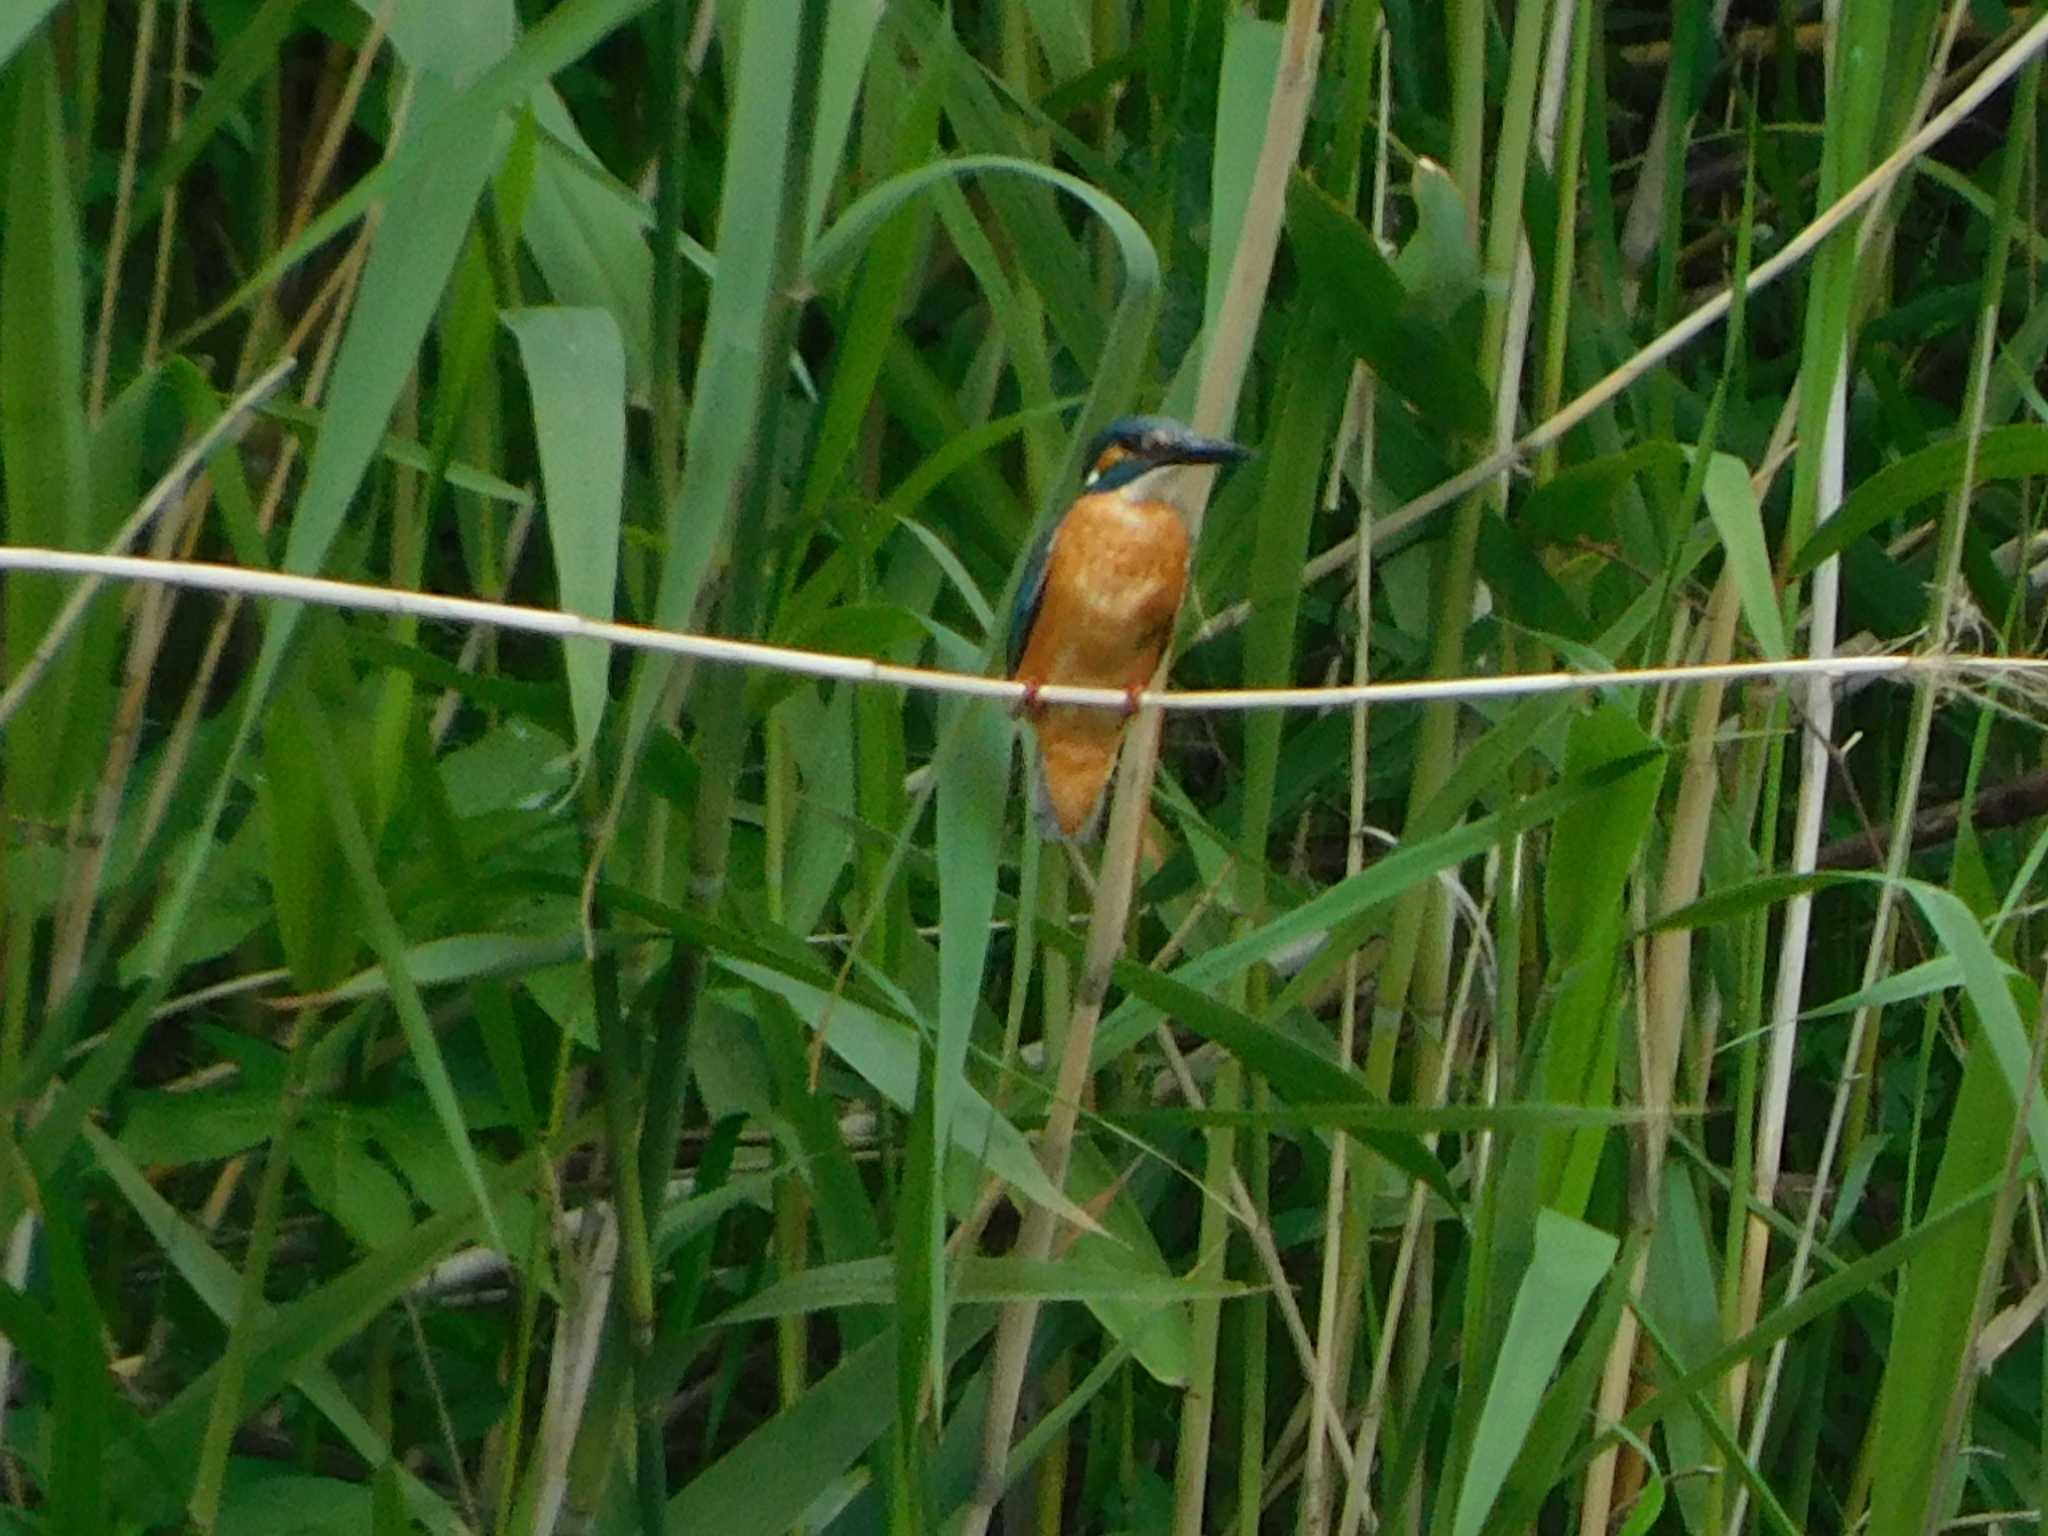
{"x":1207,"y":450}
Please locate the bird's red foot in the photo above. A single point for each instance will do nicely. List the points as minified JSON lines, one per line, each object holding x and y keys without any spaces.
{"x":1131,"y":700}
{"x":1028,"y":704}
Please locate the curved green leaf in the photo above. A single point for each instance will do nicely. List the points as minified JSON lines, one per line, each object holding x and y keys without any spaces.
{"x":836,"y":248}
{"x":2004,"y":453}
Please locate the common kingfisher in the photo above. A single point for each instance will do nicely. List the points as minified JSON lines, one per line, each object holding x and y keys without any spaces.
{"x":1097,"y":606}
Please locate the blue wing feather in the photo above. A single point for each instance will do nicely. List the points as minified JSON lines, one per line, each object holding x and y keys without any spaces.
{"x":1030,"y":595}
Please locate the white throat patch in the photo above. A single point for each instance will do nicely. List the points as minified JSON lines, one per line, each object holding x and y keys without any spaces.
{"x":1152,"y":485}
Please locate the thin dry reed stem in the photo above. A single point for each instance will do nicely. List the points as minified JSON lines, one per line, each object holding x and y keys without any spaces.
{"x":167,"y":217}
{"x":124,"y":195}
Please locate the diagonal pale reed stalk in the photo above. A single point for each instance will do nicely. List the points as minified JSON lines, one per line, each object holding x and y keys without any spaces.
{"x":328,"y":311}
{"x":86,"y":854}
{"x":85,"y":862}
{"x":231,"y":423}
{"x":88,"y":858}
{"x":1876,"y":183}
{"x":1223,"y":369}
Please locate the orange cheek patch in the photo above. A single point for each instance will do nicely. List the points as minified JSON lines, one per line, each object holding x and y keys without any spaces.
{"x":1111,"y":456}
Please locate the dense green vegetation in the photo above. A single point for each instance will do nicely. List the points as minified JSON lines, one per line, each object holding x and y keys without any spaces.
{"x":466,"y":1080}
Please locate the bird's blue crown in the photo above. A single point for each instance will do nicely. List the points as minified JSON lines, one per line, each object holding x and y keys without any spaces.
{"x":1131,"y":445}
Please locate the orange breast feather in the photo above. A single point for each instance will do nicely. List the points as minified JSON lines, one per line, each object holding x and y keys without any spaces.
{"x":1113,"y":584}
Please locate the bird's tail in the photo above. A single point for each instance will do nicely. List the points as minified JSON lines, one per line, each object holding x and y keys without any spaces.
{"x":1068,"y":773}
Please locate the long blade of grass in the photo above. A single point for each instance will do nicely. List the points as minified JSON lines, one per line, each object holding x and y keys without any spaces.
{"x":1568,"y":1263}
{"x":576,"y":370}
{"x":43,"y":441}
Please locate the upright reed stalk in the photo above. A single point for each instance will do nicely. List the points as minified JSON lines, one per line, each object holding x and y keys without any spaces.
{"x":1216,"y":406}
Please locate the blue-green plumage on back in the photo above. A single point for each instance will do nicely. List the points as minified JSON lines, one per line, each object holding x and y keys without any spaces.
{"x":1030,"y":597}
